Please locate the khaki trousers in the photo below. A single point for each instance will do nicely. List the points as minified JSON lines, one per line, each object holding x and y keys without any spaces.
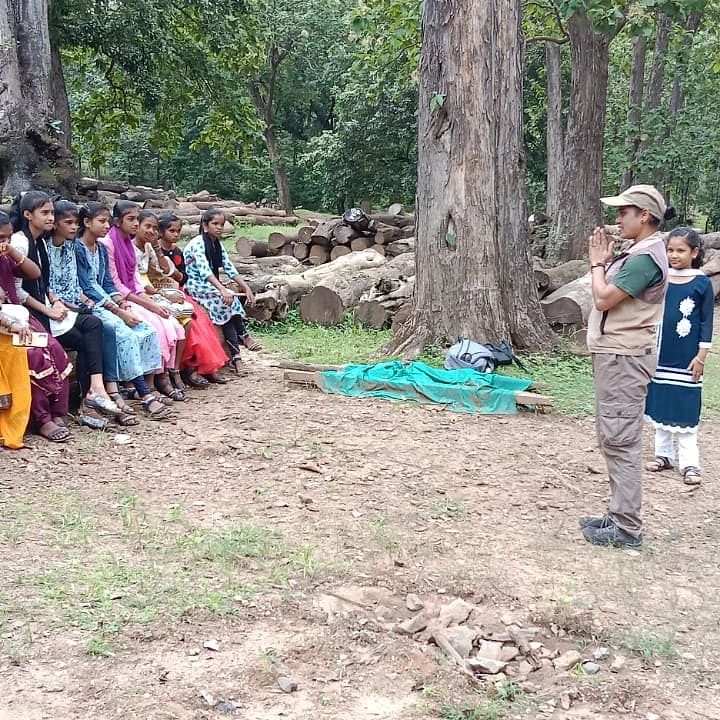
{"x":620,"y":389}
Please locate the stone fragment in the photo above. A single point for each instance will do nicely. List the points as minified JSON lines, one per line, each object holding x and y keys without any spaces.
{"x":455,"y":613}
{"x":567,"y":660}
{"x":413,"y":603}
{"x":286,"y":684}
{"x":461,"y":637}
{"x":524,"y":667}
{"x":491,"y":650}
{"x":486,"y":666}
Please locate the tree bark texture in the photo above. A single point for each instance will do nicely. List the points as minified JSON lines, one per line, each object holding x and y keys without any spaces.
{"x":555,"y":132}
{"x":677,"y":99}
{"x":657,"y":72}
{"x":634,"y":116}
{"x":474,"y":271}
{"x":581,"y":184}
{"x":32,"y":155}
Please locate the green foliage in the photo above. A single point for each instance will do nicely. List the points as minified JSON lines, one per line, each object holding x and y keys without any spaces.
{"x":167,"y":93}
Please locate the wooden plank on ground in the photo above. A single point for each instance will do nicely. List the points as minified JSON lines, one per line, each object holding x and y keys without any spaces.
{"x":290,"y":365}
{"x":302,"y":377}
{"x":311,"y":378}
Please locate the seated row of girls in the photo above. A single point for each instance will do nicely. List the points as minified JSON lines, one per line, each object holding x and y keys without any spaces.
{"x":76,"y":280}
{"x":111,"y":344}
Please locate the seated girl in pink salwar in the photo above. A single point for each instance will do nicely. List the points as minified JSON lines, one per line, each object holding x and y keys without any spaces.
{"x":125,"y":276}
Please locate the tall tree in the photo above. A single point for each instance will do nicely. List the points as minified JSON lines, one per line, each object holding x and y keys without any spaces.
{"x":555,"y":130}
{"x":474,"y":273}
{"x":635,"y":98}
{"x":33,"y":102}
{"x":581,"y":184}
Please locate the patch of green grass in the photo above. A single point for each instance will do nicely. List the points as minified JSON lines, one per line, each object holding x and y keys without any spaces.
{"x":319,"y":345}
{"x":385,"y":535}
{"x":711,"y":387}
{"x":14,"y":521}
{"x":98,"y":646}
{"x":568,"y":379}
{"x":501,"y":697}
{"x":651,"y":647}
{"x":232,"y":546}
{"x":306,"y":561}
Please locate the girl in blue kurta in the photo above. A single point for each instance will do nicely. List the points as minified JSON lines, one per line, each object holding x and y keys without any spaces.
{"x":131,"y":346}
{"x":674,"y":395}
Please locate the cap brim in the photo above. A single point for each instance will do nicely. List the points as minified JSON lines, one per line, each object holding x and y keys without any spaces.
{"x":615,"y":201}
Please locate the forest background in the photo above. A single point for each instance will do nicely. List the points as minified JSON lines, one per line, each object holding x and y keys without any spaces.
{"x":232,"y":96}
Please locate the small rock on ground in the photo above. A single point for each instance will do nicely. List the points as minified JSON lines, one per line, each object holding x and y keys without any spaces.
{"x":286,"y":684}
{"x":567,"y":660}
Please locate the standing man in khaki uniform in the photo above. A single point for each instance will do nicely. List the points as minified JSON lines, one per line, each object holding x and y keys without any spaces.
{"x":628,"y":295}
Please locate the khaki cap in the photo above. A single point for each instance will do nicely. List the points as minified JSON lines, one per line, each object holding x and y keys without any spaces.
{"x":646,"y":197}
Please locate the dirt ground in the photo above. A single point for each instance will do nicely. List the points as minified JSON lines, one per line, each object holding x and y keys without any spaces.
{"x":180,"y":575}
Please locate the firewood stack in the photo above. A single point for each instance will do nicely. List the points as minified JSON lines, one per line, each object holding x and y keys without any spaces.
{"x":376,"y":289}
{"x":390,"y":233}
{"x":189,"y":209}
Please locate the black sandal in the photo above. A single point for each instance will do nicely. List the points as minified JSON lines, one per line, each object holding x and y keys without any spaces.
{"x":691,"y":476}
{"x":194,"y":380}
{"x":659,"y":464}
{"x":176,"y":379}
{"x":164,"y":387}
{"x":59,"y":434}
{"x":215,"y":378}
{"x":160,"y":413}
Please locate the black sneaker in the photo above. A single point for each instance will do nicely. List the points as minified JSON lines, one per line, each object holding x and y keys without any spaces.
{"x":612,"y":536}
{"x":593,"y":521}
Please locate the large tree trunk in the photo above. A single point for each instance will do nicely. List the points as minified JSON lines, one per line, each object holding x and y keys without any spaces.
{"x":474,"y":271}
{"x":31,"y":153}
{"x":279,"y":171}
{"x":555,"y":138}
{"x":59,"y":95}
{"x":582,"y":171}
{"x":634,"y":116}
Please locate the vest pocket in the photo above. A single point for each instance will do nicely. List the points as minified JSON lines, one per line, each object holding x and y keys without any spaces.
{"x":620,"y":423}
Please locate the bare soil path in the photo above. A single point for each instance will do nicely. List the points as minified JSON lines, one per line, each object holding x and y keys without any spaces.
{"x":180,"y":575}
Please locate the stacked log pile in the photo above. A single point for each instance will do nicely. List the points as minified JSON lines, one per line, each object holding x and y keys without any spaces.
{"x":323,"y":241}
{"x":327,"y":293}
{"x":189,"y":208}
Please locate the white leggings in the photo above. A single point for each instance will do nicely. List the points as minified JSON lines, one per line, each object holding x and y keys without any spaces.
{"x":688,"y":454}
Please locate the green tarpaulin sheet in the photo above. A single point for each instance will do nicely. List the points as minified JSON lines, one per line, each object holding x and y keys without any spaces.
{"x":459,"y":390}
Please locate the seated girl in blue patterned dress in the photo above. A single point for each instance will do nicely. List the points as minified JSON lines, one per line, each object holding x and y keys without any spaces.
{"x":674,"y":395}
{"x":205,"y":257}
